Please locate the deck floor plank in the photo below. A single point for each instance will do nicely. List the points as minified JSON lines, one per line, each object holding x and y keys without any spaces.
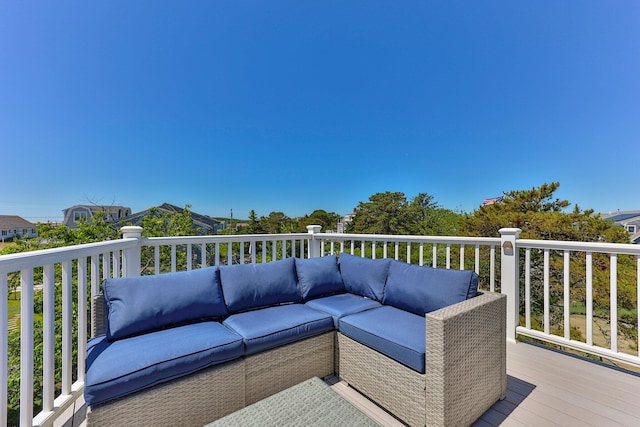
{"x":585,"y":390}
{"x":548,"y":388}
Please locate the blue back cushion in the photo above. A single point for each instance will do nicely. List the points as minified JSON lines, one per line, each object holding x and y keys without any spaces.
{"x":319,"y":276}
{"x":141,"y":304}
{"x":420,"y":290}
{"x":364,"y":276}
{"x":248,"y":286}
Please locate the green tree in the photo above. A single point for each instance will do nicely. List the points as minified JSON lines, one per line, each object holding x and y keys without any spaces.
{"x":275,"y":223}
{"x":392,"y":213}
{"x":254,"y":225}
{"x":50,"y":235}
{"x":166,"y":224}
{"x":540,"y":215}
{"x":426,"y":218}
{"x":328,"y":220}
{"x":382,"y":214}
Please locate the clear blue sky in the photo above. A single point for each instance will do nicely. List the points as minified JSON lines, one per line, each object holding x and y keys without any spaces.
{"x":300,"y":105}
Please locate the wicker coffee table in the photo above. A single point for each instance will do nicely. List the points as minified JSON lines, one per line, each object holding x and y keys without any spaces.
{"x":310,"y":403}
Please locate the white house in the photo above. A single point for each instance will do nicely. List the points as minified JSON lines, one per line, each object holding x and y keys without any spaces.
{"x":14,"y":226}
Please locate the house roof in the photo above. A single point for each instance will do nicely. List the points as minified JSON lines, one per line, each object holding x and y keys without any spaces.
{"x":12,"y":222}
{"x":168,"y":207}
{"x":620,"y":216}
{"x":97,"y":208}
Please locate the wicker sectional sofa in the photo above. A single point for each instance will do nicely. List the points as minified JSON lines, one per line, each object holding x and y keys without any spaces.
{"x":187,"y":348}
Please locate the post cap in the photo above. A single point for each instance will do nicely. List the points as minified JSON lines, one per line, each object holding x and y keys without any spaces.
{"x":131,"y":231}
{"x":311,"y":229}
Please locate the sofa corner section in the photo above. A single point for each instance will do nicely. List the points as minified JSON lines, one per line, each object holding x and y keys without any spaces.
{"x":465,"y":359}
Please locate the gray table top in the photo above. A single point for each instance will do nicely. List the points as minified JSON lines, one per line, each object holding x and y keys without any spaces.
{"x":310,"y":403}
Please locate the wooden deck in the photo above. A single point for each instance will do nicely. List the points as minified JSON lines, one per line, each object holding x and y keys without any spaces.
{"x":544,"y":388}
{"x":548,"y":388}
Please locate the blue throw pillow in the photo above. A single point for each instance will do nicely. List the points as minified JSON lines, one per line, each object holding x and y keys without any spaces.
{"x":247,"y":286}
{"x":145,"y":303}
{"x":364,"y":276}
{"x":319,"y":276}
{"x":423,"y":289}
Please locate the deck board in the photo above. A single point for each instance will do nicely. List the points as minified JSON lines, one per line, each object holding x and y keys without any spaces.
{"x":584,"y":390}
{"x":544,"y":388}
{"x":547,"y":388}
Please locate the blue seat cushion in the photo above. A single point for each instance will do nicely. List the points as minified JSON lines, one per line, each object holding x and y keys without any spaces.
{"x":278,"y":325}
{"x":141,"y":304}
{"x":421,"y":290}
{"x":319,"y":276}
{"x":249,"y":286}
{"x":118,"y":368}
{"x":364,"y":276}
{"x":341,"y":305}
{"x":396,"y":333}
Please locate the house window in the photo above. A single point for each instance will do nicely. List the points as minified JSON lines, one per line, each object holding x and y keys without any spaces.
{"x":78,"y":215}
{"x":631,"y":228}
{"x":25,"y":231}
{"x":4,"y":232}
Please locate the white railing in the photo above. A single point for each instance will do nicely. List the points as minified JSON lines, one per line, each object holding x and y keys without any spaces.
{"x":91,"y":263}
{"x":576,"y":274}
{"x":435,"y":251}
{"x":201,"y":251}
{"x":82,"y":268}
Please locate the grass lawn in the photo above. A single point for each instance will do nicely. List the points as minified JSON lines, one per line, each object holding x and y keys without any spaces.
{"x":579,"y":308}
{"x":14,"y":312}
{"x":14,"y":307}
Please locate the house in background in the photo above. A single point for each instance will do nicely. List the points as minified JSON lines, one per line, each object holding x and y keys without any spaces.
{"x":342,"y":224}
{"x":202,"y":224}
{"x":630,"y":220}
{"x":74,"y":214}
{"x":14,"y":226}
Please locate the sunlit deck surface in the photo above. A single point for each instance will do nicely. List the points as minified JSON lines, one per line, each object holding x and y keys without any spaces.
{"x":549,"y":388}
{"x":545,"y":388}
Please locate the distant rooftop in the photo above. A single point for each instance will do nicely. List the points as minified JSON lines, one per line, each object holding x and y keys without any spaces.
{"x":14,"y":222}
{"x":620,"y":215}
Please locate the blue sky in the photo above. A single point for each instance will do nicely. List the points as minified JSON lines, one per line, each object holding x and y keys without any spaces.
{"x":300,"y":105}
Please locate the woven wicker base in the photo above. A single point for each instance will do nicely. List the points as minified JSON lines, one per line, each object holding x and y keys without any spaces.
{"x":465,"y":366}
{"x":398,"y":389}
{"x":466,"y":360}
{"x":275,"y":370}
{"x":190,"y":401}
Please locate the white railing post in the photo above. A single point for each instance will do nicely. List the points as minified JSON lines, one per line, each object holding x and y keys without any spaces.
{"x":26,"y":347}
{"x":131,"y":257}
{"x":314,"y":244}
{"x":4,"y":347}
{"x":510,"y":278}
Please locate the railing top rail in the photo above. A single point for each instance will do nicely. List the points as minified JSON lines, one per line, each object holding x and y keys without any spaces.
{"x":23,"y":260}
{"x":611,"y":248}
{"x":177,"y":240}
{"x":411,"y":238}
